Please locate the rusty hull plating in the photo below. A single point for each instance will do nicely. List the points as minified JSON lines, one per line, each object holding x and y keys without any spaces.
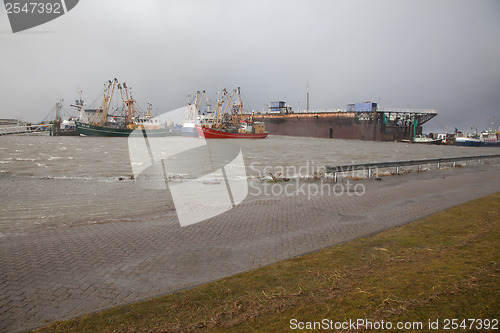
{"x":377,"y":125}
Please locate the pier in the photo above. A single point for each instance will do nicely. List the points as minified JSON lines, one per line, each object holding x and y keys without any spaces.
{"x":22,"y":129}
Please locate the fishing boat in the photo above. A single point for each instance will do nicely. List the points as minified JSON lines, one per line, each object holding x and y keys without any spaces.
{"x":105,"y":124}
{"x":87,"y":129}
{"x":228,"y":121}
{"x":192,"y":116}
{"x":424,"y":139}
{"x":490,"y":138}
{"x":208,"y":133}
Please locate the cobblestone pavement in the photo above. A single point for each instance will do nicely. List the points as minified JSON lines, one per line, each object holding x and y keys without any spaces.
{"x":59,"y":273}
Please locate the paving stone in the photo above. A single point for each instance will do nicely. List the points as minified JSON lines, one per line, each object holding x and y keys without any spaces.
{"x":59,"y":273}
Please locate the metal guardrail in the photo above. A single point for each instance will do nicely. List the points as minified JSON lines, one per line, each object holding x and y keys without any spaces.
{"x":405,"y":110}
{"x":380,"y":165}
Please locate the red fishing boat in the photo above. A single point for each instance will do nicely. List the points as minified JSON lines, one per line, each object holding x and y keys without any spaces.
{"x":228,"y":121}
{"x":208,"y":133}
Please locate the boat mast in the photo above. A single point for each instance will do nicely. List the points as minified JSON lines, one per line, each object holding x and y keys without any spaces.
{"x":188,"y":110}
{"x":58,"y":110}
{"x":128,"y":103}
{"x":79,"y":104}
{"x":192,"y":109}
{"x":238,"y":110}
{"x":220,"y":116}
{"x":106,"y":102}
{"x":218,"y":106}
{"x":198,"y":106}
{"x":209,"y":105}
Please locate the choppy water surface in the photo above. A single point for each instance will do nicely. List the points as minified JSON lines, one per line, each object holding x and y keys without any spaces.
{"x":60,"y":181}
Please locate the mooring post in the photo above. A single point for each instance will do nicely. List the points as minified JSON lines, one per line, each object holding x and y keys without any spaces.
{"x":369,"y":172}
{"x":335,"y":177}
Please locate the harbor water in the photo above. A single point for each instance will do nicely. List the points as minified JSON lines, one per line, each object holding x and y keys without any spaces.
{"x":55,"y":182}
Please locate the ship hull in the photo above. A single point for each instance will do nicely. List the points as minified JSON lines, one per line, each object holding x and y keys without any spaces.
{"x":334,"y":125}
{"x":375,"y":126}
{"x":95,"y":130}
{"x":428,"y":142}
{"x":209,"y":133}
{"x":466,"y":142}
{"x":489,"y":144}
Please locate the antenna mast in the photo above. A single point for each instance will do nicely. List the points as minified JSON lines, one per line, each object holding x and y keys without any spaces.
{"x":307,"y":97}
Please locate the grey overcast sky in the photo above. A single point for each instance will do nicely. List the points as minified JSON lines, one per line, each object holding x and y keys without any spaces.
{"x":442,"y":54}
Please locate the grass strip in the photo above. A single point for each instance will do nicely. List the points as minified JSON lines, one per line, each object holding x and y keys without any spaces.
{"x":444,"y":266}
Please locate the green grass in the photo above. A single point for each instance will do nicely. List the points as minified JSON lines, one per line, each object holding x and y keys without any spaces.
{"x":443,"y":266}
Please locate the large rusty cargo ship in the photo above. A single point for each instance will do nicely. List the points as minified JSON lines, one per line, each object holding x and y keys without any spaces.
{"x":362,"y":121}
